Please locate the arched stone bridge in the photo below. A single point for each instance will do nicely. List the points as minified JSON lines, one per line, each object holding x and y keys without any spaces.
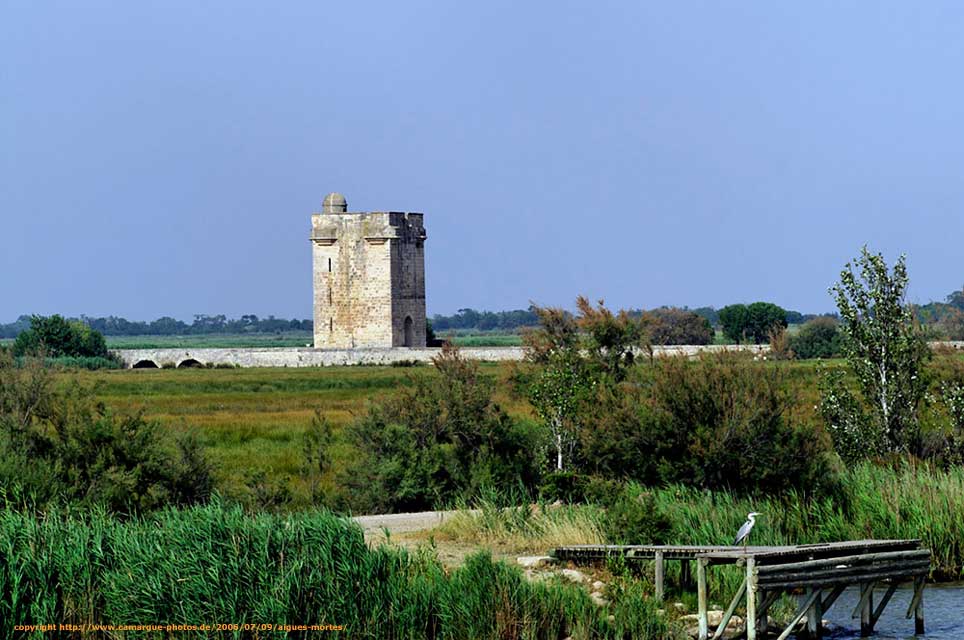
{"x":307,"y":357}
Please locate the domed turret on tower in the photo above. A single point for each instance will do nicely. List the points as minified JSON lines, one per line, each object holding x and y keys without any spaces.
{"x":334,"y":203}
{"x":369,"y":277}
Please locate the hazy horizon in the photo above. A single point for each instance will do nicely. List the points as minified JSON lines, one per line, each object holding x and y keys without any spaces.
{"x":164,"y":159}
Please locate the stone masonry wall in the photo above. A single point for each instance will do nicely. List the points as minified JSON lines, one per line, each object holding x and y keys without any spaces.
{"x":368,"y":276}
{"x":408,"y":282}
{"x":307,"y":357}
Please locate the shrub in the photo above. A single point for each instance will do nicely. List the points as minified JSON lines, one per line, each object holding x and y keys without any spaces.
{"x":818,"y":338}
{"x":951,"y":325}
{"x":406,"y":363}
{"x":632,"y":517}
{"x":62,"y":444}
{"x":724,"y":421}
{"x":564,"y":486}
{"x":780,"y":344}
{"x":440,"y":438}
{"x":611,"y":340}
{"x":677,"y":326}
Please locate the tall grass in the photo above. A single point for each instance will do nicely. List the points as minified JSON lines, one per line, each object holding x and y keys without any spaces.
{"x":213,"y":564}
{"x":876,"y":502}
{"x":524,"y":528}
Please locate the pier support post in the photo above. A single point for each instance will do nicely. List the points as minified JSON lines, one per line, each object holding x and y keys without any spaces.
{"x":767,"y":598}
{"x":751,"y":591}
{"x":917,"y":606}
{"x":701,"y":596}
{"x":659,"y":575}
{"x":814,"y":616}
{"x":866,"y":605}
{"x":685,"y":575}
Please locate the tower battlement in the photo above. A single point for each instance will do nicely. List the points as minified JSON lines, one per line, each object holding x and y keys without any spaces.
{"x":369,"y":277}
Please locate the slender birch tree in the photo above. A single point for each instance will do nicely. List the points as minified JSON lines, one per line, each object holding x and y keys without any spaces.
{"x":886,"y":351}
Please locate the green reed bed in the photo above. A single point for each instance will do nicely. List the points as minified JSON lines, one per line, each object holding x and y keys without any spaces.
{"x":876,"y":502}
{"x":218,"y":565}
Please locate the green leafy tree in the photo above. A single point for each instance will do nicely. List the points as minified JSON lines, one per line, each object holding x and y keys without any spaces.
{"x":734,"y":319}
{"x":574,"y":357}
{"x":886,"y":351}
{"x":56,"y":337}
{"x":763,"y":318}
{"x":754,"y":322}
{"x":611,"y":340}
{"x":956,"y":299}
{"x":557,"y":393}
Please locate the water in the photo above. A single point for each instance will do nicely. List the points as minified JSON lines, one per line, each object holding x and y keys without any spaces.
{"x":943,"y":614}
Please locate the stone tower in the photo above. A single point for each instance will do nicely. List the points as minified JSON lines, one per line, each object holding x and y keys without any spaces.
{"x":369,"y":277}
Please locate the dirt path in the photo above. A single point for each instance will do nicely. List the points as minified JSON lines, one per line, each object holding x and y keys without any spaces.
{"x":403,"y":522}
{"x":405,"y":531}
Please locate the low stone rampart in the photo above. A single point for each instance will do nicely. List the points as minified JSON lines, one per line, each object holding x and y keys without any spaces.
{"x":299,"y":357}
{"x":306,"y":357}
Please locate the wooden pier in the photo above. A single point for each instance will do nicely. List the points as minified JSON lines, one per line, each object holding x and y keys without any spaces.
{"x":820,"y":571}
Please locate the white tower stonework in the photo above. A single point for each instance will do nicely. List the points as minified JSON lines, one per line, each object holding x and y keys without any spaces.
{"x":369,"y":277}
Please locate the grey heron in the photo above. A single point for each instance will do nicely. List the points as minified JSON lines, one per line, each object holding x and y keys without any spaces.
{"x":745,"y":530}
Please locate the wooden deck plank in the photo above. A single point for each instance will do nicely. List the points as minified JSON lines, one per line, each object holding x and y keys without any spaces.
{"x":730,"y":554}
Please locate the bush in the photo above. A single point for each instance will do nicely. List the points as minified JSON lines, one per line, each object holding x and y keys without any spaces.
{"x":62,"y":444}
{"x":406,"y":363}
{"x":951,"y":325}
{"x":564,"y":486}
{"x":668,"y":326}
{"x":442,"y":438}
{"x":724,"y":421}
{"x":632,"y":517}
{"x":818,"y":338}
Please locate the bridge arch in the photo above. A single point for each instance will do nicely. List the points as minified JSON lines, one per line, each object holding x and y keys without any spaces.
{"x":145,"y":364}
{"x":190,"y":363}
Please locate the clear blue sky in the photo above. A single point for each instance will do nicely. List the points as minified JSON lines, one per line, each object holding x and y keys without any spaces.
{"x":163,"y":158}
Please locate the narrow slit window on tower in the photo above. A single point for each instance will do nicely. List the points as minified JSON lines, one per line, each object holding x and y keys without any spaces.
{"x":329,"y":265}
{"x":329,"y":295}
{"x":331,"y":324}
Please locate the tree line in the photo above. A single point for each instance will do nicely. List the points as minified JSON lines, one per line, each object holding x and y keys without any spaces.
{"x":166,"y":326}
{"x":671,"y":325}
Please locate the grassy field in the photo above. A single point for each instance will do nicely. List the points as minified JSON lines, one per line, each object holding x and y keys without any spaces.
{"x":287,"y":339}
{"x":253,"y":420}
{"x":225,"y":340}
